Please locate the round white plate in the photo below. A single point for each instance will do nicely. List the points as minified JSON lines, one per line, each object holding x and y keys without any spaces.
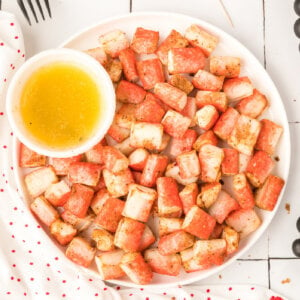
{"x":164,"y":23}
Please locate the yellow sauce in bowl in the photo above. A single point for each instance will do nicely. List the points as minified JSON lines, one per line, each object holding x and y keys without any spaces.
{"x":60,"y":105}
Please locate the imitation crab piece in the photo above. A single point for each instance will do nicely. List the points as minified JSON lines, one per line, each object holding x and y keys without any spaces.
{"x":188,"y":196}
{"x":227,"y":66}
{"x":129,"y":234}
{"x":232,"y":239}
{"x":148,"y":238}
{"x":170,"y":95}
{"x":30,"y":159}
{"x":181,"y":82}
{"x":79,"y":200}
{"x":119,"y":134}
{"x":266,"y":197}
{"x":117,"y":184}
{"x":259,"y":168}
{"x":95,"y":154}
{"x":190,"y":110}
{"x":243,"y":162}
{"x":210,"y":158}
{"x":61,"y":165}
{"x":149,"y":110}
{"x":207,"y":137}
{"x":206,"y":81}
{"x":206,"y":117}
{"x":163,"y":264}
{"x":175,"y":242}
{"x":253,"y":105}
{"x":144,"y":41}
{"x":226,"y":123}
{"x":44,"y":211}
{"x":104,"y":240}
{"x":185,"y":60}
{"x":128,"y":61}
{"x":108,"y":264}
{"x":39,"y":180}
{"x":125,"y":115}
{"x":58,"y":193}
{"x":269,"y":136}
{"x":80,"y":224}
{"x":110,"y":214}
{"x":84,"y":173}
{"x":80,"y":252}
{"x":169,"y":203}
{"x":223,"y":206}
{"x":124,"y":147}
{"x":242,"y":191}
{"x":244,"y":221}
{"x":237,"y":88}
{"x":150,"y":72}
{"x":175,"y":124}
{"x":135,"y":267}
{"x":209,"y":194}
{"x":173,"y":40}
{"x":99,"y":54}
{"x":244,"y":135}
{"x":138,"y":158}
{"x":182,"y":144}
{"x":198,"y":223}
{"x":169,"y":225}
{"x":128,"y":92}
{"x":174,"y":172}
{"x":114,"y":69}
{"x":63,"y":232}
{"x":154,"y":168}
{"x":198,"y":37}
{"x":139,"y":202}
{"x":188,"y":163}
{"x":217,"y":99}
{"x":146,"y":135}
{"x":99,"y":199}
{"x":114,"y":160}
{"x":230,"y":163}
{"x":114,"y":42}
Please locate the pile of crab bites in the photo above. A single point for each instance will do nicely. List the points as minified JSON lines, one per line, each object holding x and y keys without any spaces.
{"x":185,"y":118}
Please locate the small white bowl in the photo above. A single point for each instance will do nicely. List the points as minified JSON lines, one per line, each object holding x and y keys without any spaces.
{"x":81,"y":60}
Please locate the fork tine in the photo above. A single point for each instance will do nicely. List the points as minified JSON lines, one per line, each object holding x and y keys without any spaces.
{"x":33,"y":10}
{"x":40,"y":8}
{"x":24,"y":11}
{"x":48,"y":8}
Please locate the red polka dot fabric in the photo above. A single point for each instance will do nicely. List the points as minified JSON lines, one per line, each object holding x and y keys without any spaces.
{"x":32,"y":266}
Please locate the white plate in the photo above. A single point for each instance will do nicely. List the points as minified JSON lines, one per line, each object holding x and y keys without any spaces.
{"x":164,"y":22}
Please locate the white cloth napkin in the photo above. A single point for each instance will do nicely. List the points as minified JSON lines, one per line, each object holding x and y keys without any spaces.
{"x":31,"y":267}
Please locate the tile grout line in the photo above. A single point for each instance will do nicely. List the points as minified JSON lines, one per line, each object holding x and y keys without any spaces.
{"x":264,"y":32}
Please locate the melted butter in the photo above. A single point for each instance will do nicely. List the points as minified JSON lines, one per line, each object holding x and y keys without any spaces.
{"x":60,"y":105}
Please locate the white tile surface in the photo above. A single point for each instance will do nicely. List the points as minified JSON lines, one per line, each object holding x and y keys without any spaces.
{"x":241,"y":272}
{"x":284,"y":277}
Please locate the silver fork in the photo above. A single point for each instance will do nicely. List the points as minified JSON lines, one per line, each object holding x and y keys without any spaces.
{"x":29,"y":2}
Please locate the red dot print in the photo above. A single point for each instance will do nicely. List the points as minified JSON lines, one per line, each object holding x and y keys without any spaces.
{"x":16,"y":37}
{"x":63,"y":295}
{"x":26,"y":225}
{"x":38,"y":226}
{"x":13,"y":236}
{"x":19,"y":50}
{"x":130,"y":294}
{"x":1,"y":113}
{"x":32,"y":279}
{"x":48,"y":279}
{"x":29,"y":251}
{"x":90,"y":279}
{"x":5,"y":80}
{"x":230,"y":289}
{"x":13,"y":251}
{"x":47,"y":293}
{"x":1,"y":44}
{"x":12,"y":278}
{"x":15,"y":208}
{"x":23,"y":241}
{"x":14,"y":265}
{"x":192,"y":295}
{"x":147,"y":298}
{"x":18,"y":279}
{"x":23,"y":55}
{"x":12,"y":24}
{"x":31,"y":263}
{"x":117,"y":287}
{"x":8,"y":293}
{"x":252,"y":288}
{"x":11,"y":133}
{"x":96,"y":295}
{"x":4,"y":147}
{"x":38,"y":242}
{"x":11,"y":223}
{"x":164,"y":294}
{"x":48,"y":265}
{"x":208,"y":291}
{"x":208,"y":298}
{"x":1,"y":190}
{"x":25,"y":294}
{"x":64,"y":281}
{"x":141,"y":289}
{"x":105,"y":289}
{"x":56,"y":258}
